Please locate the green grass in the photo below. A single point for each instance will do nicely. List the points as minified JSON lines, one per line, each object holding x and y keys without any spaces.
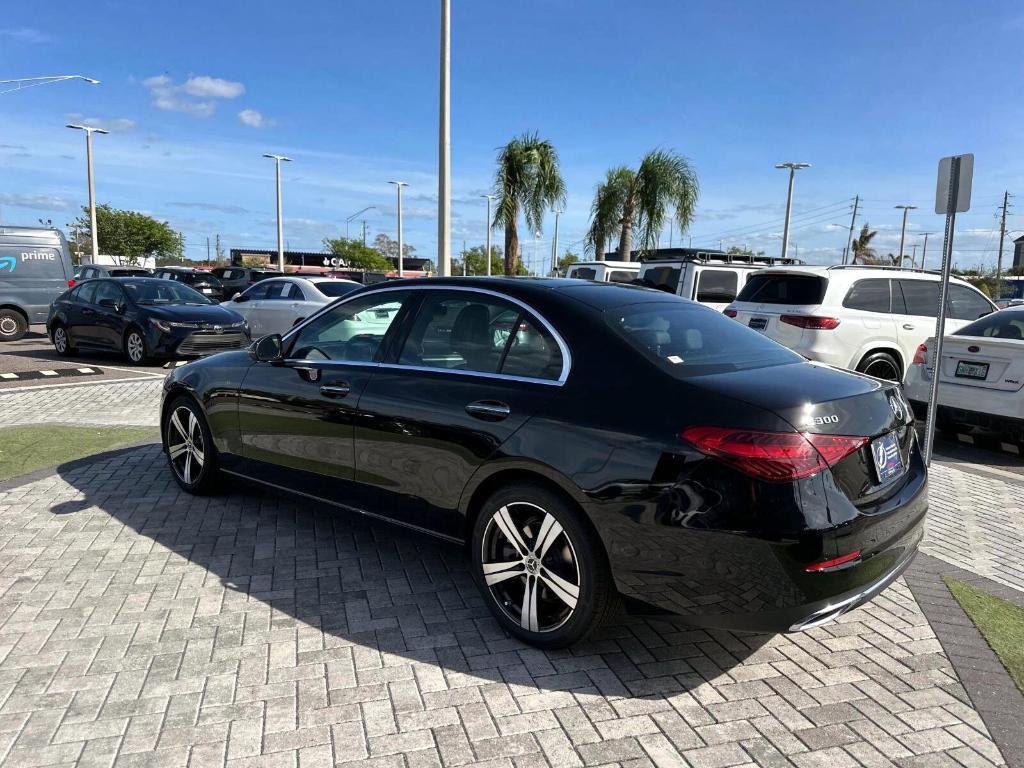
{"x":24,"y":449}
{"x":1000,"y":622}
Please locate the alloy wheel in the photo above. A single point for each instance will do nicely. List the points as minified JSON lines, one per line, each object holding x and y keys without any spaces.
{"x":185,"y":447}
{"x":60,"y":340}
{"x":136,"y":347}
{"x":530,"y":567}
{"x":8,"y":326}
{"x":882,"y":369}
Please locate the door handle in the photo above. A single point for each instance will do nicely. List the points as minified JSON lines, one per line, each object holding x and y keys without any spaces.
{"x":87,"y":311}
{"x":908,"y":327}
{"x":490,"y":410}
{"x":337,"y":390}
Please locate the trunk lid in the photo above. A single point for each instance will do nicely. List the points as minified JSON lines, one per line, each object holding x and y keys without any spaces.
{"x":818,"y":399}
{"x":984,"y":362}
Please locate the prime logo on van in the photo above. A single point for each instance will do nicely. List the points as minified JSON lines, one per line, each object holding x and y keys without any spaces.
{"x":8,"y":263}
{"x":38,"y":256}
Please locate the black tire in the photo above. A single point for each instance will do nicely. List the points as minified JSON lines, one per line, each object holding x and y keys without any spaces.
{"x":881,"y":365}
{"x":571,"y":583}
{"x":188,"y":442}
{"x":13,"y":325}
{"x":134,"y":347}
{"x":62,"y":342}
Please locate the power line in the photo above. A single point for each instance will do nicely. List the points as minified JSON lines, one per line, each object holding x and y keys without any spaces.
{"x":753,"y":227}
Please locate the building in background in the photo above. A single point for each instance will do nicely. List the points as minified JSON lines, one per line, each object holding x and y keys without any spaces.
{"x":1018,"y":252}
{"x":323,"y":263}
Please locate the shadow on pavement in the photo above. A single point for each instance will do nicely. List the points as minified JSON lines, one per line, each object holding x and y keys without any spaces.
{"x":373,"y":585}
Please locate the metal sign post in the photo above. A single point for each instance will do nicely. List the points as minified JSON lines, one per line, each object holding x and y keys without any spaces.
{"x":952,"y":196}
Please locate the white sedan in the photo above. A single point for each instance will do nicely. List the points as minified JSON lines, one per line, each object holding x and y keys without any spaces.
{"x":981,"y":375}
{"x":275,"y":305}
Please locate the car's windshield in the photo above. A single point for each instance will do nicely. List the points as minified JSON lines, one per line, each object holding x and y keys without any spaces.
{"x":340,"y":288}
{"x":1006,"y":324}
{"x":689,"y":340}
{"x":153,"y":292}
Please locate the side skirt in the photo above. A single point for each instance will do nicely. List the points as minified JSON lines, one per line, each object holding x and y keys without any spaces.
{"x":346,"y":507}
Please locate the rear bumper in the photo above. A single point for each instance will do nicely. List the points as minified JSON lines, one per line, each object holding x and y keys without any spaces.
{"x":954,"y":415}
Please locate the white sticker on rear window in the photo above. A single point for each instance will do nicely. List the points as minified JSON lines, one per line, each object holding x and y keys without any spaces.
{"x":675,"y":359}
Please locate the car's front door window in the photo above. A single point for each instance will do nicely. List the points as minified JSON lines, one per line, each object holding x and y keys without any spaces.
{"x":353,"y":331}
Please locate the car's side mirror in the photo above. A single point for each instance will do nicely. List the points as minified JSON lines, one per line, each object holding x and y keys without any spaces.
{"x":239,"y":297}
{"x":267,"y":349}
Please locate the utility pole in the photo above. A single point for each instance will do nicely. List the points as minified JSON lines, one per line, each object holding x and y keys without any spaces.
{"x":793,"y":168}
{"x":364,"y":233}
{"x":853,"y":220}
{"x":207,"y":249}
{"x":913,"y":256}
{"x":401,"y":253}
{"x":217,"y":249}
{"x":465,"y":269}
{"x":903,"y":231}
{"x":671,"y":226}
{"x":1002,"y":237}
{"x":444,"y":149}
{"x":488,"y":258}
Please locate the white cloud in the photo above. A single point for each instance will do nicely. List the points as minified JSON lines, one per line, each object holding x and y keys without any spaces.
{"x":196,"y":96}
{"x":206,"y":87}
{"x":114,"y":125}
{"x":25,"y":35}
{"x":254,"y":119}
{"x":37,"y":202}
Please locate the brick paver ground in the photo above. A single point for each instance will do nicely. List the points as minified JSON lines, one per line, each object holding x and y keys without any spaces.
{"x":142,"y":627}
{"x":127,"y":403}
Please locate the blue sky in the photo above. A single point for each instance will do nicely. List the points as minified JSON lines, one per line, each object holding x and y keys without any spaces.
{"x":870,"y":93}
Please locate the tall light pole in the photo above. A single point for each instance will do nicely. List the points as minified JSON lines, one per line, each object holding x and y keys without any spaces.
{"x":22,"y":83}
{"x":356,"y":215}
{"x":401,"y":254}
{"x":278,"y":159}
{"x":554,"y":243}
{"x":444,"y":149}
{"x":488,"y":256}
{"x":793,"y":168}
{"x":924,"y":250}
{"x":903,"y":230}
{"x":89,"y":131}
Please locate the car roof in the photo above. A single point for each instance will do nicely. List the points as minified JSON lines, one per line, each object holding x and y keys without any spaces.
{"x":858,"y":270}
{"x":597,"y":295}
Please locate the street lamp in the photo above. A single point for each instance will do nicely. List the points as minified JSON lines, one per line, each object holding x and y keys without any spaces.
{"x":903,"y":231}
{"x":278,"y":159}
{"x":554,"y":243}
{"x":89,"y":131}
{"x":355,"y":215}
{"x":488,"y":257}
{"x":401,"y":256}
{"x":793,"y":168}
{"x":22,"y":83}
{"x":444,"y":148}
{"x":924,"y":250}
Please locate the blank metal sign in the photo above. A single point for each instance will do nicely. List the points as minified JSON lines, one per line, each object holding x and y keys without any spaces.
{"x":963,"y":197}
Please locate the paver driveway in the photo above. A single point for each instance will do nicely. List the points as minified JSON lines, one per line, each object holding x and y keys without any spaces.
{"x":144,"y":627}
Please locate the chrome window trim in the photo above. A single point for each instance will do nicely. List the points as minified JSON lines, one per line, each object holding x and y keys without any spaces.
{"x":562,"y":346}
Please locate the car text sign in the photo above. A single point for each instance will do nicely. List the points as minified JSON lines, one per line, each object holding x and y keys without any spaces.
{"x":962,"y":200}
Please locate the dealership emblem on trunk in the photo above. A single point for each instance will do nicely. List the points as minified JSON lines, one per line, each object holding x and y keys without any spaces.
{"x":897,"y":407}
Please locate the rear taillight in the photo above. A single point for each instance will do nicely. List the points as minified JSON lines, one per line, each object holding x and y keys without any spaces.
{"x":775,"y":456}
{"x":834,"y":564}
{"x":729,"y":312}
{"x":921,"y":355}
{"x":71,"y":283}
{"x":811,"y":322}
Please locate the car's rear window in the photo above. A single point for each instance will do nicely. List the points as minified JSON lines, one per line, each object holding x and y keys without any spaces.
{"x":689,"y":340}
{"x":337,"y":289}
{"x":1006,"y":324}
{"x":784,"y":289}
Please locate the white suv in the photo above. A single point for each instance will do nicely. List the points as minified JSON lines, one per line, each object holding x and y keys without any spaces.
{"x":864,"y":318}
{"x":712,"y":278}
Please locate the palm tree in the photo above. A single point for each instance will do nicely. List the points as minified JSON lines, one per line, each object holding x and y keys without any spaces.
{"x":664,"y":180}
{"x":606,"y":210}
{"x":861,"y":246}
{"x":528,"y":180}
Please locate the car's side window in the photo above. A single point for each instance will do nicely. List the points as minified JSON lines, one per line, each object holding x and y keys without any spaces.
{"x":871,"y":295}
{"x":460,"y":330}
{"x":258,"y":291}
{"x":87,"y":292}
{"x":532,"y":352}
{"x":921,"y":297}
{"x":966,"y":303}
{"x":109,"y":290}
{"x":277,"y":290}
{"x":295,"y":293}
{"x":716,"y":285}
{"x":353,"y":331}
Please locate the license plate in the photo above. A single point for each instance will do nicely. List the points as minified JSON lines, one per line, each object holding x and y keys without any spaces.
{"x":968,"y":370}
{"x":885,"y":451}
{"x":758,"y":323}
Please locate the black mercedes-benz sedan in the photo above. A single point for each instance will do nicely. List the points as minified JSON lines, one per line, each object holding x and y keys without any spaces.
{"x":585,"y":441}
{"x":144,"y":318}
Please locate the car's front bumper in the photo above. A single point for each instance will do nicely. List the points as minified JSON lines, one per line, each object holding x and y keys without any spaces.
{"x":192,"y":342}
